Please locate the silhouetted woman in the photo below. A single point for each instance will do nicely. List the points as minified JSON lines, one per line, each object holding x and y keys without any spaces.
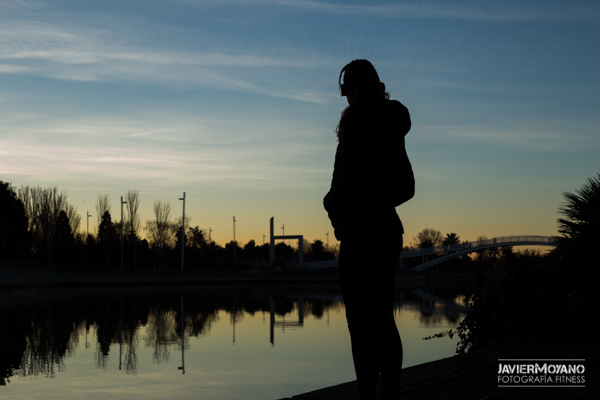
{"x":372,"y":176}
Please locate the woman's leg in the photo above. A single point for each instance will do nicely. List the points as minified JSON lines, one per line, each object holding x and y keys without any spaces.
{"x":356,"y":286}
{"x":367,"y":282}
{"x":391,"y":354}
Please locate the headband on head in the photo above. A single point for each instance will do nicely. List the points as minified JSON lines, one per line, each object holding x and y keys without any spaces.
{"x":343,"y":91}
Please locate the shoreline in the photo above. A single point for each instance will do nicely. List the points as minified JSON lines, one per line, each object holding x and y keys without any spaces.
{"x":15,"y":275}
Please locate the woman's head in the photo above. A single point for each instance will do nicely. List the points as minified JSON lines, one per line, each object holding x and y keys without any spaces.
{"x":361,"y":82}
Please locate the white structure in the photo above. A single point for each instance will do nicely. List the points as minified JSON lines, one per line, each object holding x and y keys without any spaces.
{"x":272,"y":245}
{"x":455,"y":250}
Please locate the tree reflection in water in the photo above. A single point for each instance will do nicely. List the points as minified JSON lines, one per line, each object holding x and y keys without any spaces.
{"x":38,"y":329}
{"x":161,"y":332}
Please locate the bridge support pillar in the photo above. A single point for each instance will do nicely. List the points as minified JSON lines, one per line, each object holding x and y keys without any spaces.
{"x":272,"y":239}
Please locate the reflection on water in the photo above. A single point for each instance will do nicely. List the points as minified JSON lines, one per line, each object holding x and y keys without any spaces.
{"x":245,"y":342}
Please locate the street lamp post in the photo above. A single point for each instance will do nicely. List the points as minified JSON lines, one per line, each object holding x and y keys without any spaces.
{"x":234,"y":242}
{"x":182,"y":230}
{"x":122,"y":202}
{"x":87,"y":229}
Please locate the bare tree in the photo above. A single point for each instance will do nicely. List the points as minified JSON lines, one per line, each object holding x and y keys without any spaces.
{"x":133,"y":217}
{"x":43,"y":207}
{"x":160,"y":229}
{"x":428,"y":238}
{"x":74,"y":218}
{"x":102,"y":206}
{"x":132,"y":222}
{"x":487,"y":253}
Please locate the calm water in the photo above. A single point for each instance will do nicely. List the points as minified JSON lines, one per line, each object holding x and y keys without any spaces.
{"x":238,"y":343}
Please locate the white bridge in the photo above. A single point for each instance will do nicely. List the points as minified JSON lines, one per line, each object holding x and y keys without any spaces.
{"x":455,"y":250}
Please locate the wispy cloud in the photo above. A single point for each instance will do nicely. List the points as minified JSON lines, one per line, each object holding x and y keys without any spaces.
{"x":139,"y":153}
{"x":111,"y":50}
{"x":506,"y":11}
{"x":524,"y":137}
{"x":15,"y":69}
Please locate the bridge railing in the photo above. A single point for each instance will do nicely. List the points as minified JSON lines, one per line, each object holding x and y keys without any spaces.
{"x":495,"y":242}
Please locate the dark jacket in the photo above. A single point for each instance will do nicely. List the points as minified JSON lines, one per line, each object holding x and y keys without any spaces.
{"x":372,"y":174}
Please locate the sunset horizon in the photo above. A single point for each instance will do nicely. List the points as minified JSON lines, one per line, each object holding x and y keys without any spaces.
{"x":236,"y":104}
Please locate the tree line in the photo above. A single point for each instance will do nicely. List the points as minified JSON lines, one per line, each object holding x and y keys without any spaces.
{"x":40,"y":225}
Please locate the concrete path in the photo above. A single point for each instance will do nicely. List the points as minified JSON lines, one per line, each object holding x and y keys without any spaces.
{"x":469,"y":377}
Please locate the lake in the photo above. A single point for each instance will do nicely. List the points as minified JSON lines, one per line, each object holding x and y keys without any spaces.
{"x":242,"y":342}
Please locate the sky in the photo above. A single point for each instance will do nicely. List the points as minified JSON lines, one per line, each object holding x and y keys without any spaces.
{"x":235,"y":103}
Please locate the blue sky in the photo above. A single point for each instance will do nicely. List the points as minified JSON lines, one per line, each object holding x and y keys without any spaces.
{"x":236,"y":102}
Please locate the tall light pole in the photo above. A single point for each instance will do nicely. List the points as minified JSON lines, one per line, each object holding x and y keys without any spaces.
{"x":182,"y":230}
{"x":234,"y":242}
{"x":87,"y":229}
{"x":122,"y":202}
